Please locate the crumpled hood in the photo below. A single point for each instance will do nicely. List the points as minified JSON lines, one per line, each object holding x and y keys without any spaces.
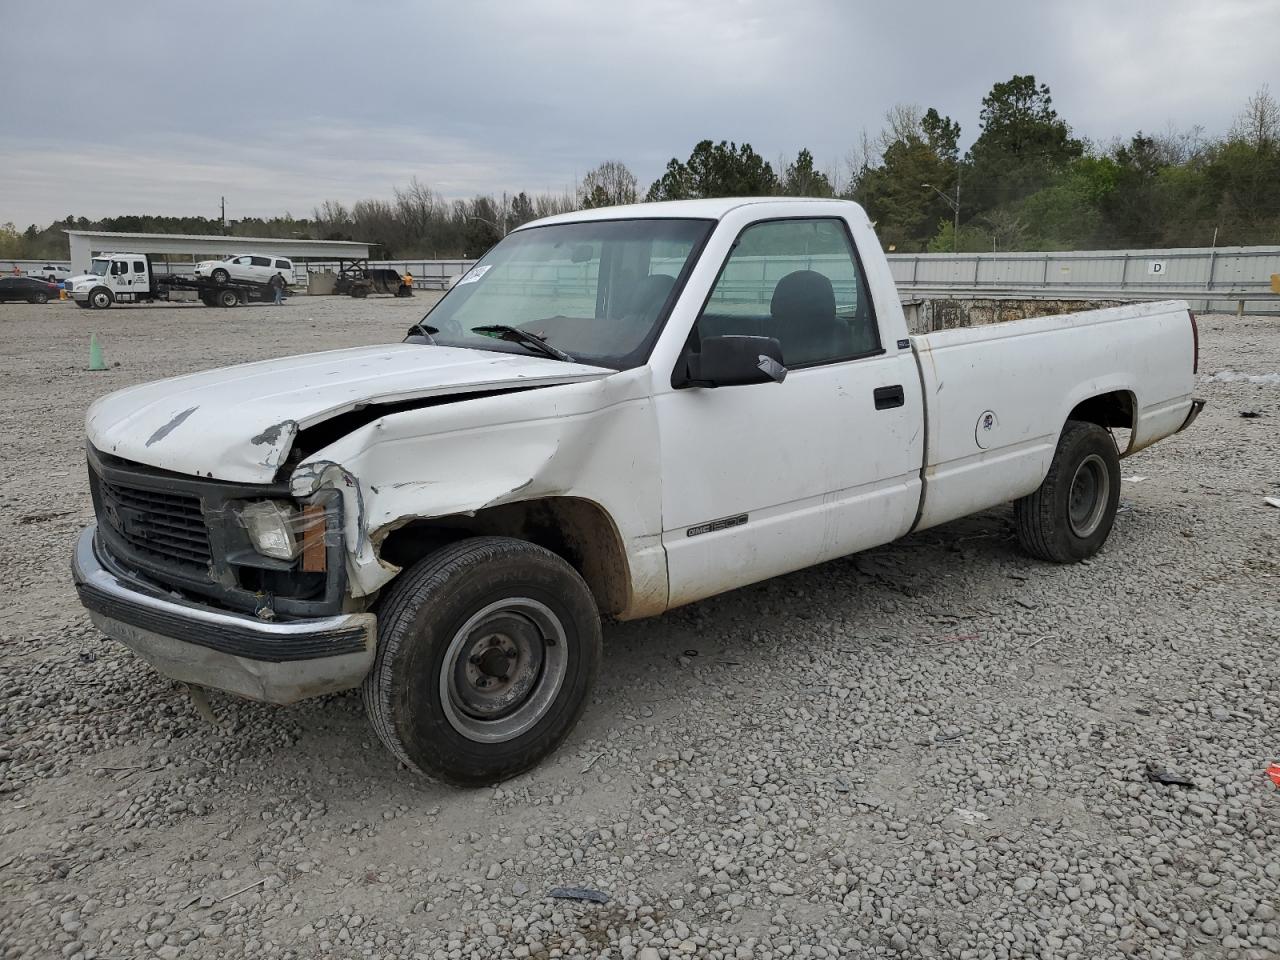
{"x":238,"y":423}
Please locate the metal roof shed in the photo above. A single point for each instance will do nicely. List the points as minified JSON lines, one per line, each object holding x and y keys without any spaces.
{"x":86,"y":243}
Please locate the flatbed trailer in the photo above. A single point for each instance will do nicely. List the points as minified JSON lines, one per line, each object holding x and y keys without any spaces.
{"x":132,"y":278}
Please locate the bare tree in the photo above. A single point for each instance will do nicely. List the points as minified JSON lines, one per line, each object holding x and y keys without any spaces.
{"x":1258,"y":124}
{"x":608,"y":185}
{"x":901,"y":124}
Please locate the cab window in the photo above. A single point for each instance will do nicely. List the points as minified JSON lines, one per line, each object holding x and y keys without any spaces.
{"x":799,"y":282}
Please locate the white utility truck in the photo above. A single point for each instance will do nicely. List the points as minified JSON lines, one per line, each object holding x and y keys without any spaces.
{"x":132,"y":278}
{"x":615,"y":411}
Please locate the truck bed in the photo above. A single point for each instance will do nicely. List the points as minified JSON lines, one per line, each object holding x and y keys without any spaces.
{"x":999,"y":395}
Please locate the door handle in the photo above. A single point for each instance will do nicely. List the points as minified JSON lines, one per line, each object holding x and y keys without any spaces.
{"x":888,"y":397}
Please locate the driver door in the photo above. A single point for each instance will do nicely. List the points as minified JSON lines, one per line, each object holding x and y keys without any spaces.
{"x":765,"y":478}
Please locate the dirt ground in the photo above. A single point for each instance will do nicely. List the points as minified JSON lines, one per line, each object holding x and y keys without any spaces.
{"x":937,"y":748}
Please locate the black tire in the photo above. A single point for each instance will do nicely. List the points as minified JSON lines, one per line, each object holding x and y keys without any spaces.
{"x":426,"y":696}
{"x":1070,"y":516}
{"x":228,"y":298}
{"x":40,"y":298}
{"x":219,"y":275}
{"x":359,"y":293}
{"x":100,"y":298}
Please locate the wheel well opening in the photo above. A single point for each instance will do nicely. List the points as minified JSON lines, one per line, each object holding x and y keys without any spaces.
{"x":1114,"y":411}
{"x":579,"y":531}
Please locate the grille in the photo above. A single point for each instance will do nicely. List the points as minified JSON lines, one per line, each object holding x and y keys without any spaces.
{"x":158,"y":524}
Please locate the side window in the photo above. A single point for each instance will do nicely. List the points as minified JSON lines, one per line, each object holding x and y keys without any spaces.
{"x":283,"y":265}
{"x":261,"y":261}
{"x":118,"y":267}
{"x":797,"y":281}
{"x":139,"y":267}
{"x":241,"y":261}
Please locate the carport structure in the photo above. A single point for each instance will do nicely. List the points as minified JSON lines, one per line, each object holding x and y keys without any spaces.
{"x":86,"y":243}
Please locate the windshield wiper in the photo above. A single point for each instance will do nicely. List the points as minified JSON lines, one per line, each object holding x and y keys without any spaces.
{"x":525,"y":338}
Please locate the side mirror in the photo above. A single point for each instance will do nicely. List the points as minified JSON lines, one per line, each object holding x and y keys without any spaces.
{"x":731,"y":361}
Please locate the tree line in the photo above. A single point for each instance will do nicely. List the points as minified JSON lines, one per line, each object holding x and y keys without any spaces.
{"x":1026,"y":183}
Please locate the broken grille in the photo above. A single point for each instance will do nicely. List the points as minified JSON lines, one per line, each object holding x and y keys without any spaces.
{"x":160,"y":525}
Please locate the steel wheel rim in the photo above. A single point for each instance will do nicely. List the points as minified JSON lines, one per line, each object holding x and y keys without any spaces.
{"x":503,"y":670}
{"x":1089,"y":495}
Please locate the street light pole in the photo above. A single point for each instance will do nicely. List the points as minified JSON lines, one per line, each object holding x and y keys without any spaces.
{"x":502,"y":230}
{"x":954,"y":205}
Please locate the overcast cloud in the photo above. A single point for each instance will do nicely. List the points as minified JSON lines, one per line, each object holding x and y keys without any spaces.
{"x":146,"y":108}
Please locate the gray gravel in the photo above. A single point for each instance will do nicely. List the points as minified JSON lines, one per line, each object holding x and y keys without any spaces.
{"x":939,"y":748}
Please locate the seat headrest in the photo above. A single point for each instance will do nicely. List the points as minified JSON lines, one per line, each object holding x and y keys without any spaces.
{"x":650,"y":294}
{"x":803,"y":295}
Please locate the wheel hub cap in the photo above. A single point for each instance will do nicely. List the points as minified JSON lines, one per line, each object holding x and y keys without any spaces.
{"x":503,"y":670}
{"x":1090,"y":492}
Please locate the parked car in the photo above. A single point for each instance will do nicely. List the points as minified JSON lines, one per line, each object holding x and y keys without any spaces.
{"x":251,"y":267}
{"x":615,"y":411}
{"x":30,"y":289}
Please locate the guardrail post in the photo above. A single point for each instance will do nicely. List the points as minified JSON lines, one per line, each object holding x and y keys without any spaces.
{"x":1044,"y":279}
{"x":1124,"y":271}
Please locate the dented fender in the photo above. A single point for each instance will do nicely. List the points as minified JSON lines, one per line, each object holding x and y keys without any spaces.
{"x":580,"y":440}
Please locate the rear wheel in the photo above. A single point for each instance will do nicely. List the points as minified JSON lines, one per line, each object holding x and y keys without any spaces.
{"x":100,"y":298}
{"x":40,"y":297}
{"x":228,"y":298}
{"x":487,"y":650}
{"x":1070,"y":516}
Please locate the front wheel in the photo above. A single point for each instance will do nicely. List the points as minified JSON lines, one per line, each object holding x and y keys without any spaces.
{"x":487,"y":650}
{"x":1070,"y":516}
{"x":100,"y":298}
{"x":219,"y":276}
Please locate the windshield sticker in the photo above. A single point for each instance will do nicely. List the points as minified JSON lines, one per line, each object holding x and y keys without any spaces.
{"x":474,"y":274}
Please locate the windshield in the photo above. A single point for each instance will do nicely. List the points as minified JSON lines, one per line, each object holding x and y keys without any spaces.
{"x":596,"y":290}
{"x":100,"y":266}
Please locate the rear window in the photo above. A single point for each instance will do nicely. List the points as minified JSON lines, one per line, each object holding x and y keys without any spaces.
{"x":139,"y":267}
{"x":283,"y":265}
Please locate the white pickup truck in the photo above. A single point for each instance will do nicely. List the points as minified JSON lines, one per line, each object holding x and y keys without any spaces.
{"x":616,"y":411}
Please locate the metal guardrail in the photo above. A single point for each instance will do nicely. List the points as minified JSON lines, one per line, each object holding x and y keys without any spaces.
{"x":1221,"y":278}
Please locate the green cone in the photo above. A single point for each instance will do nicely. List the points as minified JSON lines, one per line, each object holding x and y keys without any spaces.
{"x":95,"y":354}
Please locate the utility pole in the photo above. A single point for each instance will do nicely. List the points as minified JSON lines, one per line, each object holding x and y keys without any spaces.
{"x":224,"y":216}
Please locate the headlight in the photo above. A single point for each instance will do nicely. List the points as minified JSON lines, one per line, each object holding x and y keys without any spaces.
{"x":272,"y":525}
{"x":280,"y":530}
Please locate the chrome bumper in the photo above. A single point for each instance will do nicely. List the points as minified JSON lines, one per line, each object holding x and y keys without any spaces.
{"x":277,"y":662}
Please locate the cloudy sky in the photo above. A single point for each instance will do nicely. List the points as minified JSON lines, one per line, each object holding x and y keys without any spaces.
{"x":164,"y":107}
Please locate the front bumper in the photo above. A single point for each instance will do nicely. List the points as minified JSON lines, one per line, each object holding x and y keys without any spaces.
{"x":277,"y":662}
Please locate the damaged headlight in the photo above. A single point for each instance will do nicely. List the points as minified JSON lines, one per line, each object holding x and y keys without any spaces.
{"x":280,"y":530}
{"x":271,"y":527}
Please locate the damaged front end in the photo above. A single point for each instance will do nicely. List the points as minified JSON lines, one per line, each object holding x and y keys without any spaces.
{"x":206,"y":538}
{"x":238,"y":587}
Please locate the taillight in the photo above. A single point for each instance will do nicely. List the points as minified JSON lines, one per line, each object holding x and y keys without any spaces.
{"x":1195,"y":344}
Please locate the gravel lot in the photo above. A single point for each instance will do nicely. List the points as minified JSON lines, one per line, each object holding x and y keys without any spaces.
{"x":938,"y":748}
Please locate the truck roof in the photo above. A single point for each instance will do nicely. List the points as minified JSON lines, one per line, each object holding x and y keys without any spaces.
{"x":713,"y":208}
